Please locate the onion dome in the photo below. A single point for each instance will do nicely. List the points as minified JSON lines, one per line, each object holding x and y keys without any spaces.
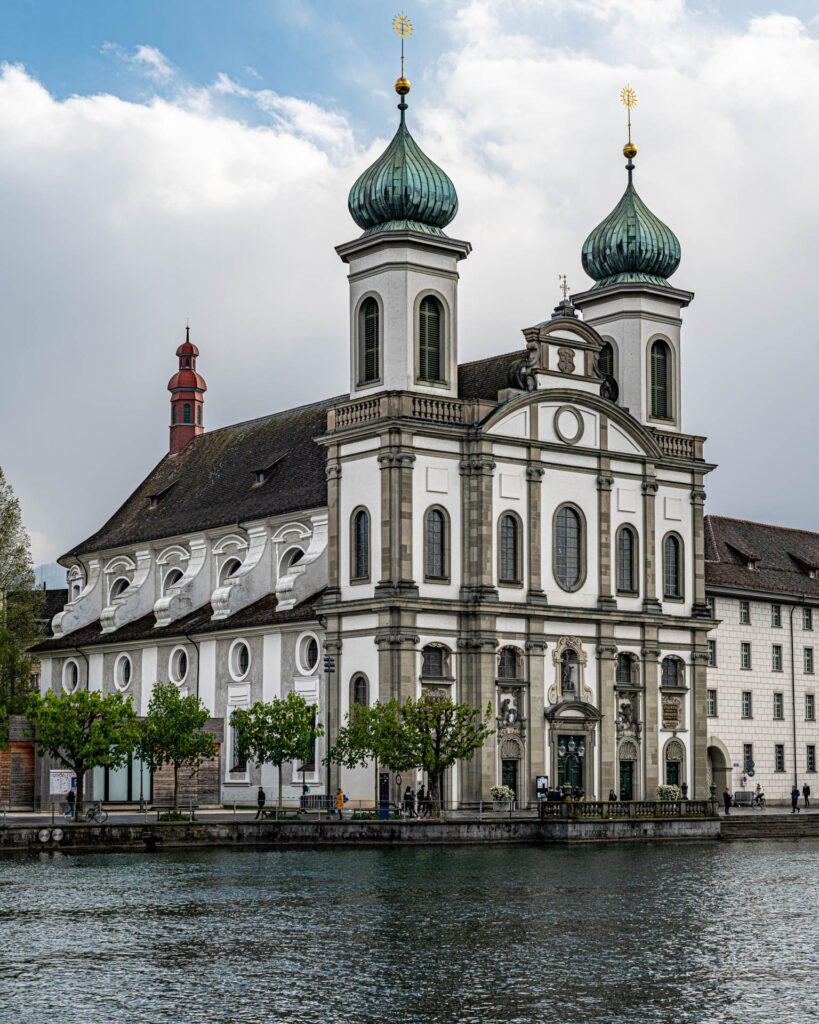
{"x":186,"y":376}
{"x":631,"y":244}
{"x":403,"y":189}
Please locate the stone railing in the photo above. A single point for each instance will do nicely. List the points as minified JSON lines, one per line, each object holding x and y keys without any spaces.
{"x":355,"y":413}
{"x":604,"y":810}
{"x":681,"y":446}
{"x":402,"y":405}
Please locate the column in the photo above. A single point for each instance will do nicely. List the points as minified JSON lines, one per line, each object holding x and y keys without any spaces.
{"x":477,"y":472}
{"x":650,"y":602}
{"x":396,"y":465}
{"x":536,"y":721}
{"x":604,"y":587}
{"x":534,"y":477}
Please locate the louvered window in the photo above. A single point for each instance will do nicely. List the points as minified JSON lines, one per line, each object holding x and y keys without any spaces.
{"x":361,"y":545}
{"x":625,"y":560}
{"x":568,"y":553}
{"x":369,"y":369}
{"x":430,"y":339}
{"x":660,"y":380}
{"x":509,"y":542}
{"x":605,"y":360}
{"x":671,"y":568}
{"x":436,"y":541}
{"x":186,"y":413}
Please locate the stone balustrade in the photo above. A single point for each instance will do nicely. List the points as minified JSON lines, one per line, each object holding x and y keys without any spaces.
{"x":681,"y":446}
{"x":402,"y":405}
{"x":604,"y":810}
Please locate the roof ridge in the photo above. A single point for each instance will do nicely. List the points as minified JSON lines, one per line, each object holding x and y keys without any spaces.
{"x":767,"y":526}
{"x":486,"y":359}
{"x":273,"y":415}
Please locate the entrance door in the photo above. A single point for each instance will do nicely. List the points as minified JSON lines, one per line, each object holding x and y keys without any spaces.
{"x":570,"y":769}
{"x":627,"y":778}
{"x":509,"y":776}
{"x":672,"y":773}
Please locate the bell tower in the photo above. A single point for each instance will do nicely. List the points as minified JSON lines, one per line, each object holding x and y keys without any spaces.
{"x":630,"y":256}
{"x":403,"y":271}
{"x":187,"y":390}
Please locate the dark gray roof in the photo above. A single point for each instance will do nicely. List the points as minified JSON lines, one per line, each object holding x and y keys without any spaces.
{"x":783,"y":557}
{"x":210,"y":482}
{"x":484,"y":378}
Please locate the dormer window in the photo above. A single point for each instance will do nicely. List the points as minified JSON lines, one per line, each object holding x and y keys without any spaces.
{"x":753,"y":564}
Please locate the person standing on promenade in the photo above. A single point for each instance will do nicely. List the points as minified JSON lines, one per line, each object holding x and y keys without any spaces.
{"x":260,"y":799}
{"x":726,"y":799}
{"x":340,"y":803}
{"x":422,"y":798}
{"x":806,"y":794}
{"x":71,"y":797}
{"x":795,"y":799}
{"x":409,"y":802}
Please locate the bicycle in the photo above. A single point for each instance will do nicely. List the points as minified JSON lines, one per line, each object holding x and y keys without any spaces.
{"x":96,"y":812}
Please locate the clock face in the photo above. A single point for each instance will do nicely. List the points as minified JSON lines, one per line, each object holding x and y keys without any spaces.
{"x":44,"y":835}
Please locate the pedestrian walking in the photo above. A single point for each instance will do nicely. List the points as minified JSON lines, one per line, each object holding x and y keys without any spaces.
{"x":409,"y":802}
{"x":806,"y":794}
{"x":71,"y":797}
{"x":422,"y":800}
{"x":726,"y":799}
{"x":340,"y":798}
{"x":260,"y":800}
{"x":795,"y":799}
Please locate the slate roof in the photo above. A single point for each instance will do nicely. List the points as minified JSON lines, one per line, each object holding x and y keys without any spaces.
{"x":484,"y":378}
{"x":261,"y":613}
{"x":210,"y":482}
{"x":783,"y":555}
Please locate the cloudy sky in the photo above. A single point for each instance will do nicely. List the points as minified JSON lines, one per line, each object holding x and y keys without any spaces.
{"x":160,"y":162}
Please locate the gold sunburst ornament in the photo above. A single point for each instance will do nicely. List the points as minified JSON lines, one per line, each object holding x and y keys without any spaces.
{"x":402,"y":27}
{"x":628,"y":97}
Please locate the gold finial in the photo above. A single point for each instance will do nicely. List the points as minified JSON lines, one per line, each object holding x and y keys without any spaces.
{"x":402,"y":27}
{"x":563,"y":285}
{"x":628,"y":97}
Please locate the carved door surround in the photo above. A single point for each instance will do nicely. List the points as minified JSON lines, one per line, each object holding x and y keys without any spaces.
{"x":510,"y":727}
{"x":569,"y":660}
{"x":573,"y":718}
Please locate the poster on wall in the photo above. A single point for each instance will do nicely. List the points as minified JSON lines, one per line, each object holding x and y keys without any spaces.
{"x":62,"y":781}
{"x":542,"y":786}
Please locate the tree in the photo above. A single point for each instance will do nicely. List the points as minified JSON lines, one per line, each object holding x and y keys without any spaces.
{"x":372,"y":734}
{"x":277,"y":732}
{"x":435,"y":733}
{"x":171,"y":733}
{"x":83,"y":730}
{"x":20,"y":603}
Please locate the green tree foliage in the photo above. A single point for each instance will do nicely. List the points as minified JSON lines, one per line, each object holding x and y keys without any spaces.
{"x":372,"y":734}
{"x":20,"y":604}
{"x":171,"y":733}
{"x":277,"y":732}
{"x":83,"y":730}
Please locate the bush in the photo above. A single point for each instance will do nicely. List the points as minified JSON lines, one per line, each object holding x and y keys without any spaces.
{"x":371,"y":816}
{"x":668,"y":792}
{"x":503,"y":793}
{"x":173,"y":816}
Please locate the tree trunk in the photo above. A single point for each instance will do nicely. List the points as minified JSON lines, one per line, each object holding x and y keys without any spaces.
{"x":435,"y":781}
{"x":280,"y":789}
{"x":175,"y":786}
{"x":78,"y":802}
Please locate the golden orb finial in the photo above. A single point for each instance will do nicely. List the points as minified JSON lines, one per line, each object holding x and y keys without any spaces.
{"x":402,"y":86}
{"x":629,"y":150}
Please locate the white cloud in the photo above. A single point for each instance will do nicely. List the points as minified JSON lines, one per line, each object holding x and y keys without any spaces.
{"x":146,"y":60}
{"x":122,"y":219}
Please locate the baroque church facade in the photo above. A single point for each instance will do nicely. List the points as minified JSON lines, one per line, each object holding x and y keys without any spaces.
{"x":524,"y":531}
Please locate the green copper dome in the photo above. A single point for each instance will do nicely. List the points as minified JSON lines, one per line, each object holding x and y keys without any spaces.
{"x":631,"y":244}
{"x":403,"y":189}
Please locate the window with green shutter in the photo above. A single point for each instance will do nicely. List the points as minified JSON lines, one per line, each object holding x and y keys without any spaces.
{"x":429,"y":347}
{"x":368,"y":369}
{"x":661,"y":380}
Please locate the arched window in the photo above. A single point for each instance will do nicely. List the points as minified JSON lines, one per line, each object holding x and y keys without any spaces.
{"x":119,"y":586}
{"x":434,"y":661}
{"x":509,"y":568}
{"x":368,"y":362}
{"x":626,"y":560}
{"x":436,"y":544}
{"x":429,"y":339}
{"x":359,"y":691}
{"x":661,"y":380}
{"x":199,"y":415}
{"x":508,"y":663}
{"x":229,"y":567}
{"x":360,"y":546}
{"x":172,"y":577}
{"x":568,"y":548}
{"x":605,"y":360}
{"x":672,"y":566}
{"x":290,"y":558}
{"x":671,"y":672}
{"x":186,"y":413}
{"x":623,"y":670}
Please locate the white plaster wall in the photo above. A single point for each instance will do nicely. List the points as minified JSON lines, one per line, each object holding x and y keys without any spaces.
{"x":207,"y":675}
{"x":673,"y":514}
{"x":509,"y":494}
{"x":560,"y":486}
{"x":436,"y":481}
{"x":271,"y":666}
{"x":150,"y":657}
{"x":95,"y":664}
{"x":360,"y":485}
{"x":359,"y":655}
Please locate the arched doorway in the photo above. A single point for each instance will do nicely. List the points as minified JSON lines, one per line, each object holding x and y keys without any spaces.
{"x":718,"y":768}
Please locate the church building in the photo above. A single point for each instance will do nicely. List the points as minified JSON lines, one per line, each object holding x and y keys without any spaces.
{"x":524,"y":531}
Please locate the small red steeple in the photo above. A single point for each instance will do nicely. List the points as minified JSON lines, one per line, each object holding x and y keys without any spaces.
{"x":187,"y":390}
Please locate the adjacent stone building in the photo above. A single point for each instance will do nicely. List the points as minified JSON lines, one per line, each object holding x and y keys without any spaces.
{"x":524,"y":531}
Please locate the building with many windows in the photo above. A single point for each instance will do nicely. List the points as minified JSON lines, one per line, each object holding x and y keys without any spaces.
{"x":762,"y":584}
{"x":524,"y":531}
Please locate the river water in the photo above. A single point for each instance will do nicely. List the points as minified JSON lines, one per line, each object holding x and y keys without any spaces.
{"x":638,"y":933}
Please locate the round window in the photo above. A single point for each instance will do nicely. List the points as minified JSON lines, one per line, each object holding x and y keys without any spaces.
{"x":239,"y":659}
{"x":308,"y":654}
{"x":122,"y":672}
{"x":71,"y":676}
{"x":178,"y":665}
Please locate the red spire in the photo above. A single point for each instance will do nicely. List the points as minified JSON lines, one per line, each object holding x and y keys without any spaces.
{"x":187,"y":390}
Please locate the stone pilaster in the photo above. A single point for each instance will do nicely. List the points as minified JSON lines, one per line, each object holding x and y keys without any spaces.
{"x":650,"y":600}
{"x":605,"y":483}
{"x":534,"y":478}
{"x":477,"y":663}
{"x":477,"y":471}
{"x":332,"y":648}
{"x":699,"y":608}
{"x":699,"y":722}
{"x":651,"y":690}
{"x":536,"y":703}
{"x":606,"y":667}
{"x":333,"y":592}
{"x":396,"y":464}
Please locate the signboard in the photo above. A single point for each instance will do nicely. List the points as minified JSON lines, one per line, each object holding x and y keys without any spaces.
{"x":542,"y":785}
{"x":671,"y":715}
{"x":61,"y":782}
{"x":398,"y":780}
